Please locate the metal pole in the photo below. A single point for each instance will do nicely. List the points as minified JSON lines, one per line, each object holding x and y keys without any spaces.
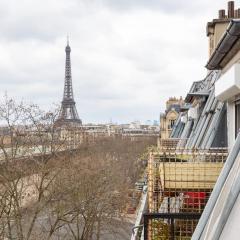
{"x":172,"y":228}
{"x":145,"y":228}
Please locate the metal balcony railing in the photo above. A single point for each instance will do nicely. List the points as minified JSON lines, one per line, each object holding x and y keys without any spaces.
{"x":169,"y":143}
{"x":180,"y":181}
{"x":169,"y":226}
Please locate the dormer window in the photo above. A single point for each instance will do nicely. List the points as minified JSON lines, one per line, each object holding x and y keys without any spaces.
{"x":172,"y":122}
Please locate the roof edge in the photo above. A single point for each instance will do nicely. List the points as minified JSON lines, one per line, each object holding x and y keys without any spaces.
{"x":226,"y":43}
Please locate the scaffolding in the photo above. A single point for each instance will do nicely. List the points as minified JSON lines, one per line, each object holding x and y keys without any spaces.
{"x":180,"y":182}
{"x":169,"y":143}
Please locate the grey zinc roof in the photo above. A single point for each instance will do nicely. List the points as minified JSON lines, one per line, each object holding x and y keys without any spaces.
{"x":191,"y":95}
{"x":178,"y":127}
{"x":201,"y":132}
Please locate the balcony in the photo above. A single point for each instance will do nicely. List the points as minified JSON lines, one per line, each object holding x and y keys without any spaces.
{"x":170,"y":144}
{"x":179,"y":185}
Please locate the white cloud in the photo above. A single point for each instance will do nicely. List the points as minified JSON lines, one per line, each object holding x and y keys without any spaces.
{"x":128,"y":57}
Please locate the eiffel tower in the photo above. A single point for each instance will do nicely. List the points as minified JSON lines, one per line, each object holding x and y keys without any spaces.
{"x":68,"y":112}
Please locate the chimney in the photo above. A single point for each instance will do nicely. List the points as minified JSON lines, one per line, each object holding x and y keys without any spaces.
{"x":235,"y":13}
{"x":217,"y":27}
{"x":238,"y":13}
{"x":221,"y":14}
{"x":231,"y":9}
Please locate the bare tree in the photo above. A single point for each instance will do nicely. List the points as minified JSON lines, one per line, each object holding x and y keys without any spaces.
{"x":28,"y":145}
{"x":53,"y":189}
{"x":91,"y":192}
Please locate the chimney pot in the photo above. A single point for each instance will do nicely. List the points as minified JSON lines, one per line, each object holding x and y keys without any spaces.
{"x":231,"y":9}
{"x":221,"y":14}
{"x":238,"y":13}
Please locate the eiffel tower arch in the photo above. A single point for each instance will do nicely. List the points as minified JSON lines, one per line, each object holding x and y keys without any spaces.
{"x":68,"y":112}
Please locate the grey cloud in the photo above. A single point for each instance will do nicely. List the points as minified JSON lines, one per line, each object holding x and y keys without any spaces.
{"x":128,"y":57}
{"x":170,"y":7}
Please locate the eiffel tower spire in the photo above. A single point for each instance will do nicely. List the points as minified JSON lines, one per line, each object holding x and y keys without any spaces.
{"x":68,"y":112}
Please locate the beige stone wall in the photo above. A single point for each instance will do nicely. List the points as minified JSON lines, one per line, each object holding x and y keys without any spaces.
{"x":168,"y":119}
{"x":174,"y":100}
{"x":215,"y":34}
{"x":166,"y":123}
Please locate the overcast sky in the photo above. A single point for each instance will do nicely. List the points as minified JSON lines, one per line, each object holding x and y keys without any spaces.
{"x":128,"y":56}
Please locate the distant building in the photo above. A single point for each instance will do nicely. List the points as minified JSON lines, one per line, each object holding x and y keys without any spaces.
{"x":155,"y":122}
{"x":168,"y":119}
{"x":148,"y":122}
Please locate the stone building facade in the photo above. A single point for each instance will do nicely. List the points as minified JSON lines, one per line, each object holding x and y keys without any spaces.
{"x":168,"y":119}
